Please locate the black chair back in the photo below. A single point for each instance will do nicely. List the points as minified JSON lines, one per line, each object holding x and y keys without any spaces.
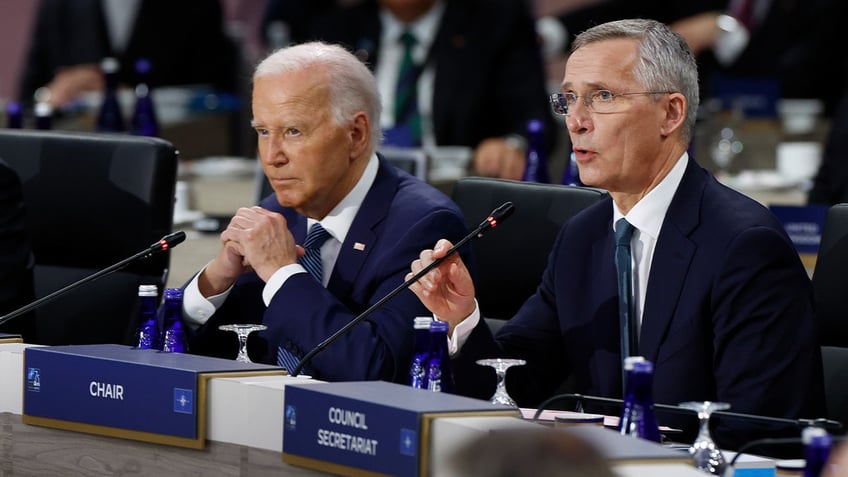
{"x":91,"y":201}
{"x":510,"y":260}
{"x":835,"y":366}
{"x":829,"y":278}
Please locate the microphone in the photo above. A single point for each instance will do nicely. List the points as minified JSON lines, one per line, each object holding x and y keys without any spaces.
{"x":165,"y":243}
{"x":493,"y":220}
{"x":800,"y":423}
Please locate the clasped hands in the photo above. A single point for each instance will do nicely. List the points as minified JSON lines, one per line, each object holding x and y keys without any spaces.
{"x":256,"y":239}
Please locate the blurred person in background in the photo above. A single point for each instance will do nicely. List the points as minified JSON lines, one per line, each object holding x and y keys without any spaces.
{"x":185,"y":41}
{"x":528,"y":453}
{"x":480,"y":77}
{"x":784,"y":40}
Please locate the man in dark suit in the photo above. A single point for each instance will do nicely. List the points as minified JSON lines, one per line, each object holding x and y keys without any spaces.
{"x":185,"y":42}
{"x":315,"y":110}
{"x":721,"y":301}
{"x":16,"y":261}
{"x":481,"y":68}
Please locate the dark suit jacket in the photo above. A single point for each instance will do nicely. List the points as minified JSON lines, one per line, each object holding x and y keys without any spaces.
{"x":185,"y":42}
{"x":728,"y":314}
{"x":399,"y":217}
{"x":490,"y":79}
{"x":16,"y":260}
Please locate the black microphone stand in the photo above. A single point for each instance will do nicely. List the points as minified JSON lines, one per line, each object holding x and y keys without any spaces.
{"x":167,"y":242}
{"x":498,"y":215}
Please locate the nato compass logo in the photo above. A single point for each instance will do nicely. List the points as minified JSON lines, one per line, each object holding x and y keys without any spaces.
{"x":291,"y":417}
{"x":408,"y":442}
{"x":183,"y":401}
{"x":33,"y":381}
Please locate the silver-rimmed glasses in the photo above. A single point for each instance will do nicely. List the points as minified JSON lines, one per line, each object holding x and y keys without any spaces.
{"x":599,"y":101}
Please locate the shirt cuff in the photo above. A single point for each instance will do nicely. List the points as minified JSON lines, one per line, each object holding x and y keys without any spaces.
{"x":196,"y":308}
{"x":463,"y":330}
{"x":278,"y":279}
{"x":554,"y":36}
{"x":732,"y":40}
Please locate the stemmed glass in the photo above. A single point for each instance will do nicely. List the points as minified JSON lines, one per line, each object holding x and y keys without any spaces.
{"x":727,"y":144}
{"x":501,"y":365}
{"x":706,"y":456}
{"x":243,"y":330}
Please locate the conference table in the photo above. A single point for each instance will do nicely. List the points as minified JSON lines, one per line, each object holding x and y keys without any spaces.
{"x":39,"y":451}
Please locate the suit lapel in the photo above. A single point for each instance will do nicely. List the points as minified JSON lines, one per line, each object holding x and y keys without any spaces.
{"x":671,"y":261}
{"x":361,"y":237}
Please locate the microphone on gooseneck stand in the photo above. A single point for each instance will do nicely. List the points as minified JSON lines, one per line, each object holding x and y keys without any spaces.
{"x":165,"y":243}
{"x":493,"y":220}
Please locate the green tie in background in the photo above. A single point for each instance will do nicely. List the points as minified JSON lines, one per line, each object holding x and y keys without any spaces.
{"x":406,"y":92}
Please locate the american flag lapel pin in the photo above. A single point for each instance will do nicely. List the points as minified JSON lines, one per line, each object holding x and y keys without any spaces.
{"x":359,"y":246}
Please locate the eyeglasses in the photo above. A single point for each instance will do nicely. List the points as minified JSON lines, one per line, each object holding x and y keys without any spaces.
{"x":600,"y":101}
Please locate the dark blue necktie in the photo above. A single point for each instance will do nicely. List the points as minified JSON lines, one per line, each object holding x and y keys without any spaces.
{"x":624,"y":273}
{"x":406,"y":91}
{"x":311,"y":261}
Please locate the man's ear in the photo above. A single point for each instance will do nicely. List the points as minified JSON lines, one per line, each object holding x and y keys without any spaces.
{"x":360,"y":134}
{"x":675,"y":113}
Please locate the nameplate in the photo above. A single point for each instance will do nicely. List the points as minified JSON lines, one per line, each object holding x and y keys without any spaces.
{"x":10,"y":338}
{"x":124,"y":392}
{"x":368,"y":427}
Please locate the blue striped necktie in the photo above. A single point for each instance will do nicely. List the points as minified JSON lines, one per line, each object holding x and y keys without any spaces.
{"x":624,"y":273}
{"x":311,"y":261}
{"x":406,"y":91}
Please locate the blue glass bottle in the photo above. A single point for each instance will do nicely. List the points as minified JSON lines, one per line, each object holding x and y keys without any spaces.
{"x":570,"y":174}
{"x":110,"y":118}
{"x":817,"y":444}
{"x":420,"y":352}
{"x":439,"y":374}
{"x":14,"y":115}
{"x":144,"y":122}
{"x":637,"y":416}
{"x":536,"y":169}
{"x":174,"y":339}
{"x":43,"y":116}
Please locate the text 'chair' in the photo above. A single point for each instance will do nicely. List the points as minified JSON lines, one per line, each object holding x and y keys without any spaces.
{"x":510,"y":260}
{"x":91,"y":201}
{"x":830,"y":276}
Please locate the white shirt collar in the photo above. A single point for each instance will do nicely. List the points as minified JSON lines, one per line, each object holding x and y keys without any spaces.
{"x":338,"y":221}
{"x":649,"y":213}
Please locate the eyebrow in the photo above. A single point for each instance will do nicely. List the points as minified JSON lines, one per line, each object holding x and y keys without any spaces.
{"x":591,"y":86}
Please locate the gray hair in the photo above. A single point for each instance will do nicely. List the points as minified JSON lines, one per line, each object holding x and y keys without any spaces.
{"x":666,"y":62}
{"x":352,"y":86}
